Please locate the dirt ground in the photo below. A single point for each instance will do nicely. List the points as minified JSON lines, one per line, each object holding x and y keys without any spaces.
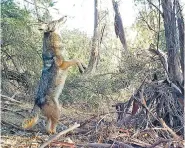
{"x":98,"y":128}
{"x":94,"y":126}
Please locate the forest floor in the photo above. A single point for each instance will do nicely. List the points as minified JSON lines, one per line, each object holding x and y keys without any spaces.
{"x":97,"y":129}
{"x":93,"y":125}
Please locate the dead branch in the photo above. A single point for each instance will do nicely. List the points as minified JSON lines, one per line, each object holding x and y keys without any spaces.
{"x":159,"y":142}
{"x":162,"y":57}
{"x":59,"y":134}
{"x":9,"y":98}
{"x":36,"y":9}
{"x":63,"y":144}
{"x":136,"y":92}
{"x":118,"y":25}
{"x":169,"y":129}
{"x":139,"y":143}
{"x":103,"y":145}
{"x":149,"y":1}
{"x":148,"y":25}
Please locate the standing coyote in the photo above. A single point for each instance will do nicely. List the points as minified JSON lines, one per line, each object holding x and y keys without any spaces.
{"x":53,"y":78}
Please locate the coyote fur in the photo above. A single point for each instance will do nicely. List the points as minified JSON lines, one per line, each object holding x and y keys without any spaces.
{"x":53,"y":78}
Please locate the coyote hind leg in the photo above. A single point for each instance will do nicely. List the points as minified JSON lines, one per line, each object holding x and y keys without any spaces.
{"x":52,"y":112}
{"x":48,"y":126}
{"x":54,"y":123}
{"x":51,"y":125}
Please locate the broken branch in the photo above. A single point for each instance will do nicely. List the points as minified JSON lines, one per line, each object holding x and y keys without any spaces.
{"x":59,"y":134}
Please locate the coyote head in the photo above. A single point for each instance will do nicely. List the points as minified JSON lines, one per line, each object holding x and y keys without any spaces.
{"x":52,"y":26}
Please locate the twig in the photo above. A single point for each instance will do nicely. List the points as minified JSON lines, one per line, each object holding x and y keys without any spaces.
{"x":147,"y":22}
{"x":10,"y":98}
{"x":100,"y":122}
{"x":149,"y":1}
{"x":36,"y":9}
{"x":33,"y":4}
{"x":59,"y":134}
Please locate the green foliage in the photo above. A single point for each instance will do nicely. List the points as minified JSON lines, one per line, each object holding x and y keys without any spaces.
{"x":147,"y":26}
{"x":76,"y":45}
{"x":21,"y":42}
{"x":10,"y":10}
{"x":22,"y":49}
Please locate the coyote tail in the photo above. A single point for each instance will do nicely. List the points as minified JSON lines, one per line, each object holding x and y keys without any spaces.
{"x":33,"y":118}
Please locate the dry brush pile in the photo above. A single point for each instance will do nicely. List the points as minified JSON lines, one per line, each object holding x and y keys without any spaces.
{"x":156,"y":111}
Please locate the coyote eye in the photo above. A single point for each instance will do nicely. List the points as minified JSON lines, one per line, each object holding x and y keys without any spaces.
{"x":43,"y":27}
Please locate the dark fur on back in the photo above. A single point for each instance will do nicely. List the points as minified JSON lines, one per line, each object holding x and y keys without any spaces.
{"x":47,"y":76}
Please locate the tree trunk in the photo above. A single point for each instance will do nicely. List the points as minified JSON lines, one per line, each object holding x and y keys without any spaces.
{"x":180,"y":23}
{"x":94,"y":57}
{"x":118,"y":25}
{"x":174,"y":70}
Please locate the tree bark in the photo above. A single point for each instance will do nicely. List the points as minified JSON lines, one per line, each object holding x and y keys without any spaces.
{"x":118,"y":25}
{"x":94,"y":57}
{"x":174,"y":70}
{"x":180,"y":23}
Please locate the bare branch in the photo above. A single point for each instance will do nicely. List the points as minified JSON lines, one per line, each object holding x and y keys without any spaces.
{"x":104,"y":145}
{"x":162,"y":57}
{"x":169,"y":129}
{"x":147,"y":23}
{"x":59,"y":134}
{"x":149,"y":1}
{"x":34,"y":4}
{"x":10,"y":98}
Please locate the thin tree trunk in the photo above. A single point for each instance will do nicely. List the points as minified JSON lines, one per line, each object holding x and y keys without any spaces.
{"x":171,"y":40}
{"x":94,"y":57}
{"x":118,"y":25}
{"x":180,"y":22}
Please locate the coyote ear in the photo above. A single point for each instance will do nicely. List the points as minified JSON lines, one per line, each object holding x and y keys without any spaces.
{"x":54,"y":25}
{"x":62,"y":20}
{"x":59,"y":22}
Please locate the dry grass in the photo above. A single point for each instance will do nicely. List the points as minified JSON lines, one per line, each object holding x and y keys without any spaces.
{"x":99,"y":127}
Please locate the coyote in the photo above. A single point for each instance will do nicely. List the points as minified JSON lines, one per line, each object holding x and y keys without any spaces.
{"x":53,"y":78}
